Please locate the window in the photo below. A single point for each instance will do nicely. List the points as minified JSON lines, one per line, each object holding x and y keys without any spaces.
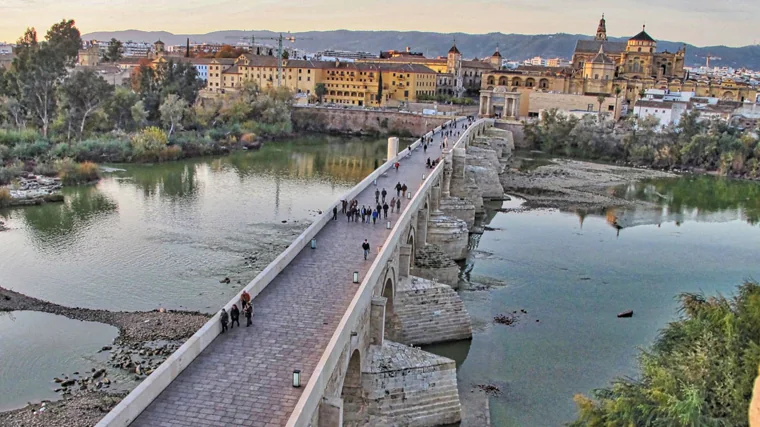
{"x":299,"y":78}
{"x":611,"y":108}
{"x":590,"y":107}
{"x":308,"y":79}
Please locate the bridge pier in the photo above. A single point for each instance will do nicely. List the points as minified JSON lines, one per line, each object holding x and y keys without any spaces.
{"x":377,"y":320}
{"x":331,"y":412}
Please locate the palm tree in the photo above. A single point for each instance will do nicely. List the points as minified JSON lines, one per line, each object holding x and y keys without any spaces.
{"x":320,"y":90}
{"x":600,"y":99}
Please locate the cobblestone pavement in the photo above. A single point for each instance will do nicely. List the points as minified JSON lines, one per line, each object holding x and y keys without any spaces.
{"x":244,"y":377}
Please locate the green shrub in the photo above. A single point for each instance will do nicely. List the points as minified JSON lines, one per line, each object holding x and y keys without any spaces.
{"x":98,"y":150}
{"x":30,"y":151}
{"x":10,"y":172}
{"x":148,"y":144}
{"x":45,"y":168}
{"x":5,"y":154}
{"x":5,"y":197}
{"x":61,"y":150}
{"x":12,"y":137}
{"x":193,"y":145}
{"x":71,"y":172}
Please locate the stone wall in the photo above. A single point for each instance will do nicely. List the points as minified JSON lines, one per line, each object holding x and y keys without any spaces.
{"x":449,"y":233}
{"x":406,"y":386}
{"x":517,"y":129}
{"x":430,"y":262}
{"x":365,"y":122}
{"x":430,"y":312}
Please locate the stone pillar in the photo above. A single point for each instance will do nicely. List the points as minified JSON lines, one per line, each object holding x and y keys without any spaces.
{"x":447,"y":168}
{"x":331,"y":412}
{"x":435,"y":200}
{"x":422,"y":219}
{"x":404,"y":257}
{"x":377,"y":320}
{"x":392,"y":147}
{"x":459,"y":158}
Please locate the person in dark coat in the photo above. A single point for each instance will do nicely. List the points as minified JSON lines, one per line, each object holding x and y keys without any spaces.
{"x":248,"y":313}
{"x":385,"y":210}
{"x":335,"y":213}
{"x":398,"y":190}
{"x":384,"y":193}
{"x":377,"y":195}
{"x":365,"y":247}
{"x":403,"y":188}
{"x":379,"y":208}
{"x":398,"y":205}
{"x":224,"y":318}
{"x":345,"y":205}
{"x":235,"y":315}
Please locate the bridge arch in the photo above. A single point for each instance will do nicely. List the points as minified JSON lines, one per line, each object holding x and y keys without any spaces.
{"x":351,"y":391}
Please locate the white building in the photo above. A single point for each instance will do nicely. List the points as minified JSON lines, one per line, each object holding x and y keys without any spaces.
{"x":667,"y":112}
{"x":6,"y":48}
{"x":129,"y":48}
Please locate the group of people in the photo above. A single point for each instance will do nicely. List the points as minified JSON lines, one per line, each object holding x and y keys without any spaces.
{"x":432,"y":163}
{"x":234,"y":314}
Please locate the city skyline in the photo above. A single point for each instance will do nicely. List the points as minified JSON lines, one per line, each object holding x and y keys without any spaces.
{"x":699,"y":22}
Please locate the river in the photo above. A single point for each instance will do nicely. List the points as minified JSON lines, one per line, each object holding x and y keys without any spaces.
{"x":165,"y":235}
{"x":573,"y":272}
{"x":159,"y":236}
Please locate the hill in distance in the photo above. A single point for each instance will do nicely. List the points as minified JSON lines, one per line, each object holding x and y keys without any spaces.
{"x":512,"y":46}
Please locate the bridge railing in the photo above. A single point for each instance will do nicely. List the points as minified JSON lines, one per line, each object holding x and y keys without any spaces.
{"x":315,"y":389}
{"x":141,"y":397}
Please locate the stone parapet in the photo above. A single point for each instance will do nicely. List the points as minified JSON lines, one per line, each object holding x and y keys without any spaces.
{"x":432,"y":263}
{"x":430,"y":312}
{"x":450,"y":233}
{"x":406,"y":386}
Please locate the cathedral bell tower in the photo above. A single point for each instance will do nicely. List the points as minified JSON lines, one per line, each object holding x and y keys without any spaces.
{"x":601,"y":30}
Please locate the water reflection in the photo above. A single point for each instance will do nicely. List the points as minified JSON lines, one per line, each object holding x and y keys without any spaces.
{"x":677,"y":200}
{"x":82,"y":206}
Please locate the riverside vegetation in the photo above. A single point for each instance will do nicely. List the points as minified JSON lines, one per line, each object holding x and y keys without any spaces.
{"x":57,"y":119}
{"x":693,"y":144}
{"x":699,"y":372}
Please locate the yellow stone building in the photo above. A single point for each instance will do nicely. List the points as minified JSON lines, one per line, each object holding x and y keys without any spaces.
{"x":346,"y":83}
{"x":603,"y":67}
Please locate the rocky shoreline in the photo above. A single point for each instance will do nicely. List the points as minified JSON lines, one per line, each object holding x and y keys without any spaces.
{"x":145,"y":340}
{"x":35,"y":190}
{"x":572,"y":184}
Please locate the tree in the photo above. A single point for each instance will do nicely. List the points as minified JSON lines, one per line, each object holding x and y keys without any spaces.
{"x":600,"y":99}
{"x":172,"y":110}
{"x":38,"y":68}
{"x":618,"y":91}
{"x":285,"y":54}
{"x":120,"y":108}
{"x":379,"y":88}
{"x":699,"y":372}
{"x":138,"y":113}
{"x":114,"y":52}
{"x":65,"y":41}
{"x":83,"y":93}
{"x":320,"y":90}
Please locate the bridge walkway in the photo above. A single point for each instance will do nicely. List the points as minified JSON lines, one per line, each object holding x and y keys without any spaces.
{"x":244,"y":377}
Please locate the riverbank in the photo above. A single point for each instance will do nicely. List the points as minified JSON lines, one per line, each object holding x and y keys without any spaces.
{"x":84,"y":410}
{"x":572,"y":184}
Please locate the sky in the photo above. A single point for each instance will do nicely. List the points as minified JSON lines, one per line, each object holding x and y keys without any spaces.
{"x":698,"y":22}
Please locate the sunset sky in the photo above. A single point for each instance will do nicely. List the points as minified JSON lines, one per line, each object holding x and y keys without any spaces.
{"x":699,"y":22}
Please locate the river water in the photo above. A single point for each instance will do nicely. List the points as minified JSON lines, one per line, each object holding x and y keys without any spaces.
{"x":164,"y":235}
{"x":573,"y":272}
{"x":158,"y":236}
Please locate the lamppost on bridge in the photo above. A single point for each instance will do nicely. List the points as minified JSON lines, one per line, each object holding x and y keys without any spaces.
{"x":356,"y":277}
{"x":297,"y":378}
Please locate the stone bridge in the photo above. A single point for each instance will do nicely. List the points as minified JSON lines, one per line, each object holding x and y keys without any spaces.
{"x":348,"y":325}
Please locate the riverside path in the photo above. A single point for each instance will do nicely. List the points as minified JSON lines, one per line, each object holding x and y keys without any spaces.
{"x":244,"y":377}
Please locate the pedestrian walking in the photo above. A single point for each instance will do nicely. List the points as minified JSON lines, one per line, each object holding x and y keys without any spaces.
{"x":374,"y":216}
{"x":224,"y":318}
{"x":397,"y":165}
{"x":384,"y":193}
{"x":335,"y":213}
{"x":403,"y":189}
{"x":245,"y":298}
{"x":248,"y":313}
{"x":424,"y":148}
{"x":385,"y":210}
{"x":365,"y":246}
{"x":398,"y":189}
{"x":364,"y":214}
{"x":356,"y":215}
{"x":344,"y":204}
{"x":377,"y":195}
{"x":393,"y":204}
{"x":398,"y":205}
{"x":235,"y":316}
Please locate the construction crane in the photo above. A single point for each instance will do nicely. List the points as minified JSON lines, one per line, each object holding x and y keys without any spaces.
{"x":708,"y":58}
{"x":279,"y":40}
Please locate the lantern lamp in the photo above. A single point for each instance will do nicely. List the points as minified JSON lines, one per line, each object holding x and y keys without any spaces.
{"x":297,"y":378}
{"x":356,"y":277}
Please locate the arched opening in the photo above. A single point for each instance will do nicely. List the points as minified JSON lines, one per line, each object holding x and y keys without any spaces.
{"x":664,"y":69}
{"x":516,"y":82}
{"x":543,"y":84}
{"x":490,"y":80}
{"x":353,"y":402}
{"x":502,"y":81}
{"x":728,"y":96}
{"x":530,"y":82}
{"x":390,"y":320}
